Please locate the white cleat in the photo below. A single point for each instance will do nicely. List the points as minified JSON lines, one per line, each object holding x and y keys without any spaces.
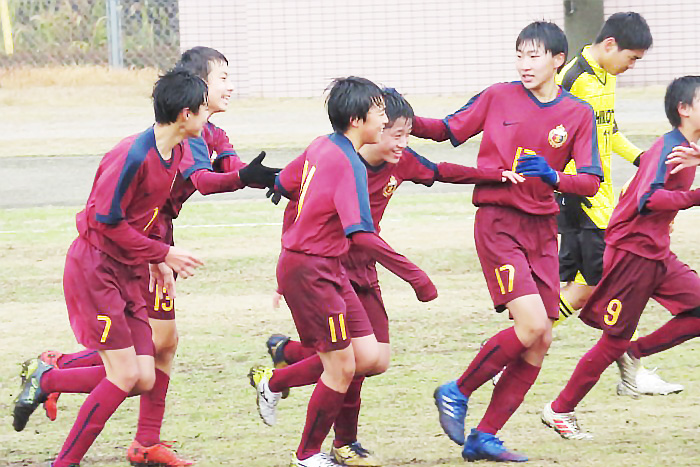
{"x":317,"y":460}
{"x":266,"y":399}
{"x":564,"y":423}
{"x":629,"y":367}
{"x":649,"y":383}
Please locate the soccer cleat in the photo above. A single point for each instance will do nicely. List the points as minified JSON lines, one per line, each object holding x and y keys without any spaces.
{"x":485,"y":446}
{"x":50,"y":464}
{"x":30,"y":395}
{"x":317,"y":460}
{"x":275,"y":347}
{"x":158,"y":455}
{"x":354,"y":454}
{"x":452,"y":408}
{"x":266,"y":399}
{"x":564,"y":423}
{"x":629,"y":366}
{"x":649,"y":383}
{"x":51,"y":405}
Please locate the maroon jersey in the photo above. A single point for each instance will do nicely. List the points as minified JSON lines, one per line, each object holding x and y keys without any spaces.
{"x":384,"y":179}
{"x":514,"y":124}
{"x":131,"y":185}
{"x":641,"y":221}
{"x":333,"y":202}
{"x":213,"y":140}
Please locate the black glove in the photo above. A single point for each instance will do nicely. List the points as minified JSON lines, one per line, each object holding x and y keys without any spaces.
{"x":638,"y":159}
{"x":275,"y":196}
{"x":257,"y":174}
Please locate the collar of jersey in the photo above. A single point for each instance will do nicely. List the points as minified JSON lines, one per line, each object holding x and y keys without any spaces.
{"x":152,"y":142}
{"x":560,"y":96}
{"x":593,"y":67}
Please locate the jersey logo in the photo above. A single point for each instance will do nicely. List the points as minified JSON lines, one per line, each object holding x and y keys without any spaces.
{"x":558,"y":136}
{"x":390,"y":187}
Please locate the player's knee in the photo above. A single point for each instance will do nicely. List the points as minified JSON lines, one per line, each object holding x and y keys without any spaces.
{"x":166,"y":346}
{"x":127,"y":378}
{"x":145,"y":382}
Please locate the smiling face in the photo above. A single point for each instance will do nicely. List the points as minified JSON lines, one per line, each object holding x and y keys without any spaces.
{"x":394,"y":140}
{"x":194,"y":122}
{"x":536,"y":66}
{"x":372,"y":127}
{"x":220,"y":87}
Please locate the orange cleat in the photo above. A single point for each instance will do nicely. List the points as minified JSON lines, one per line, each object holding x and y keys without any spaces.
{"x":158,"y":455}
{"x":51,"y":405}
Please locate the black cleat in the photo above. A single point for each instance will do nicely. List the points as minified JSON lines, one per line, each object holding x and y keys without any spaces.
{"x":275,"y":347}
{"x":31,"y":394}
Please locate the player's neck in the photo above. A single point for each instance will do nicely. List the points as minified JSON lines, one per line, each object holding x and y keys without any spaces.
{"x":597,"y":53}
{"x":546,"y":92}
{"x":691,"y":134}
{"x":167,"y":137}
{"x":355,"y":137}
{"x":371,"y":155}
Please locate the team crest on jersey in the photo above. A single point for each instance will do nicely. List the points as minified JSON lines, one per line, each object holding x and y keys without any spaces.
{"x":390,"y":187}
{"x":558,"y":136}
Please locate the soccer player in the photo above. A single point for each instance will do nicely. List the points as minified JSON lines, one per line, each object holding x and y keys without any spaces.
{"x":332,"y":206}
{"x":638,"y":263}
{"x":228,"y":173}
{"x":389,"y":163}
{"x":104,"y":266}
{"x":535,"y":127}
{"x":591,"y":76}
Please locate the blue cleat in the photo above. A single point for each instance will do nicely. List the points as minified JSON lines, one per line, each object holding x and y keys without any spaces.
{"x":486,"y":446}
{"x":452,"y":408}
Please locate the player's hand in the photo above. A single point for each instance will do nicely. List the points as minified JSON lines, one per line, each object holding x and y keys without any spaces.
{"x":182,"y":262}
{"x":162,"y":280}
{"x":257,"y":174}
{"x":512,"y":177}
{"x":424,"y":288}
{"x":275,"y":196}
{"x":536,"y":166}
{"x":276,"y":298}
{"x":684,"y":157}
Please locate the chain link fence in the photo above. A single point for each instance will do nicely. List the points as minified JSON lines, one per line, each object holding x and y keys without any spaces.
{"x":130,"y":33}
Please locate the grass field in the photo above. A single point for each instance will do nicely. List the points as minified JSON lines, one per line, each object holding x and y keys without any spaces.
{"x":224,"y":316}
{"x":224,"y":312}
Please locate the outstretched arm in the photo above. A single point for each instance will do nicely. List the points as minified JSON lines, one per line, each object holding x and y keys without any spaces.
{"x":377,"y":249}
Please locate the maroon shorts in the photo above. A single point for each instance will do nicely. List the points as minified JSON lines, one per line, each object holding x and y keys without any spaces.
{"x":518,"y":255}
{"x":629,"y":281}
{"x":325,"y":308}
{"x":370,"y":296}
{"x":160,"y":308}
{"x":105,"y":305}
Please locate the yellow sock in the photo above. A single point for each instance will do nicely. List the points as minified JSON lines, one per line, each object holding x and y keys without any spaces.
{"x":565,"y":311}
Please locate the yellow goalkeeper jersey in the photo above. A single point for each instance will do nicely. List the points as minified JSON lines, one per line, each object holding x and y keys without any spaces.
{"x":587,"y":80}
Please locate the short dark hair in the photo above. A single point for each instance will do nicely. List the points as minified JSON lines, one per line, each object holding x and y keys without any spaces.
{"x":349,"y":98}
{"x":548,"y":35}
{"x":175,"y":90}
{"x":630,"y":30}
{"x":198,"y":60}
{"x":396,"y":106}
{"x":681,"y":91}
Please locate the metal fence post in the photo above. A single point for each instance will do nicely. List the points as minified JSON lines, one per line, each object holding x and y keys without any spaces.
{"x":114,"y":34}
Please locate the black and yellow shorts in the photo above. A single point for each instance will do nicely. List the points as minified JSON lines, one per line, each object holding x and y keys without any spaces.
{"x":581,"y":256}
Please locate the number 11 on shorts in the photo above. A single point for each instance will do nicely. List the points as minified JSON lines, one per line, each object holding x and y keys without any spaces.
{"x":341,"y":328}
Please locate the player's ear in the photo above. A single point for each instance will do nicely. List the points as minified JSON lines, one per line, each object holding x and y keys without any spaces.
{"x":355,"y":122}
{"x":559,"y":60}
{"x":610,"y":44}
